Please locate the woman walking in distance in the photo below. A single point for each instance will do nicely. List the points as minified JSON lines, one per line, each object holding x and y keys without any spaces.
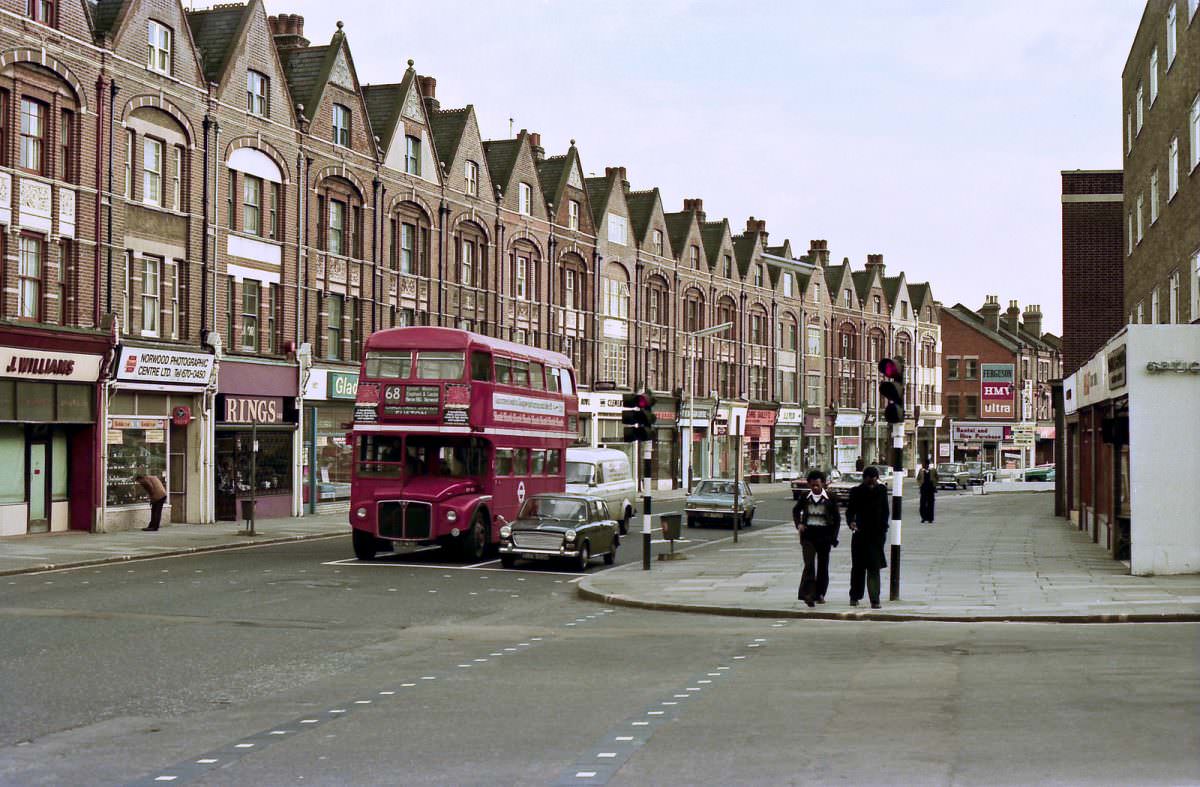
{"x":868,"y":515}
{"x":927,"y":481}
{"x":818,"y":520}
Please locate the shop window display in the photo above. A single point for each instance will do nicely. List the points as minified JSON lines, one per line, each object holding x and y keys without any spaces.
{"x":136,"y":446}
{"x":334,"y":455}
{"x":272,"y":467}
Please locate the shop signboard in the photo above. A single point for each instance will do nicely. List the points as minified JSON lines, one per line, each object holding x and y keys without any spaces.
{"x":1023,"y":433}
{"x":997,"y":384}
{"x":169,"y":367}
{"x":263,"y":410}
{"x":980,"y":433}
{"x":50,"y":366}
{"x":342,"y":385}
{"x":944,"y":450}
{"x":790,"y":416}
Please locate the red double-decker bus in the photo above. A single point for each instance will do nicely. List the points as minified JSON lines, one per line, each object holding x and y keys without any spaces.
{"x":452,"y":430}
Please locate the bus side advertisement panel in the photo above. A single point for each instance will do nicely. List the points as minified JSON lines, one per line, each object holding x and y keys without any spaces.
{"x":527,"y":410}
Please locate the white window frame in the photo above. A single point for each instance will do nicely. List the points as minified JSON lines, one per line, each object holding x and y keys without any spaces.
{"x":173,"y":267}
{"x":1173,"y":299}
{"x":1141,"y":203}
{"x":1128,"y":130}
{"x":760,"y":275}
{"x":1129,"y":236}
{"x":466,"y":263}
{"x":151,"y":295}
{"x":337,"y":228}
{"x":1139,"y":101}
{"x":522,"y":280}
{"x":1172,"y":34}
{"x":614,"y":361}
{"x":1195,"y":274}
{"x":258,"y":88}
{"x":1141,"y":313}
{"x":159,"y":40}
{"x":1153,"y":75}
{"x":524,"y":199}
{"x":616,"y":298}
{"x":695,"y":257}
{"x":30,"y":266}
{"x":152,"y":190}
{"x":1154,"y":306}
{"x":1194,"y":130}
{"x":252,"y":209}
{"x":573,"y":214}
{"x":177,"y":178}
{"x":657,"y":239}
{"x":341,"y":130}
{"x":129,"y":164}
{"x":471,"y":174}
{"x":617,"y":229}
{"x":1172,"y":168}
{"x":408,"y":252}
{"x":412,"y":155}
{"x":787,"y":285}
{"x":1154,"y":196}
{"x":569,"y":288}
{"x":248,"y":341}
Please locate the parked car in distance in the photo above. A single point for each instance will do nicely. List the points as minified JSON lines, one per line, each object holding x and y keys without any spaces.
{"x":839,"y":490}
{"x":885,"y":475}
{"x":712,"y":501}
{"x":1040,"y":473}
{"x":562,"y":527}
{"x":952,"y":475}
{"x":603,"y":473}
{"x":977,"y":472}
{"x":800,"y":485}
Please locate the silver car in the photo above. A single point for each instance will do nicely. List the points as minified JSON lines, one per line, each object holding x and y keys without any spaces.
{"x":712,"y":501}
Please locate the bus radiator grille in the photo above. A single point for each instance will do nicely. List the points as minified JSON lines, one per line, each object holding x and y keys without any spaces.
{"x":398,"y":519}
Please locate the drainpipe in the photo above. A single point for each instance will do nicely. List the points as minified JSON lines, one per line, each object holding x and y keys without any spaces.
{"x":204,"y":197}
{"x":112,"y":98}
{"x":492,"y":308}
{"x":100,"y":198}
{"x":376,"y":241}
{"x":443,"y":212}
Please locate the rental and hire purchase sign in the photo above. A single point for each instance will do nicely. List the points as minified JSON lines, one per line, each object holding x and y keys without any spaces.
{"x":997,"y":382}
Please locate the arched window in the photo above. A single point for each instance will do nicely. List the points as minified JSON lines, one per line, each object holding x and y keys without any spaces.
{"x":727,"y":312}
{"x":525,"y":284}
{"x":847,"y":346}
{"x":256,"y":194}
{"x":340,"y":218}
{"x":758,"y":326}
{"x":658,"y":301}
{"x":470,"y":253}
{"x":614,"y":292}
{"x":409,"y":230}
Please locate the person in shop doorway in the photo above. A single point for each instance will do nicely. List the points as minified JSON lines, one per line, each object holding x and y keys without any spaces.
{"x":868,"y":515}
{"x":927,"y":479}
{"x":858,"y":465}
{"x":818,"y":520}
{"x":158,"y":496}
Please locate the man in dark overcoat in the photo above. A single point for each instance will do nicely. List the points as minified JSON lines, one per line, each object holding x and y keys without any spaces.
{"x":868,"y":514}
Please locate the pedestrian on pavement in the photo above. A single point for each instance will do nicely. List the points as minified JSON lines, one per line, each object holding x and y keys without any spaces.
{"x":868,"y":515}
{"x":818,"y":521}
{"x":158,"y":496}
{"x":927,"y":480}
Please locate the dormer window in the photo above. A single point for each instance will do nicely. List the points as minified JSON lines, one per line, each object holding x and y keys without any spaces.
{"x":878,"y":305}
{"x":616,"y":229}
{"x":158,"y":47}
{"x":759,"y":276}
{"x":694,"y":257}
{"x":524,"y":199}
{"x":904,"y":310}
{"x":256,"y":93}
{"x":341,"y":125}
{"x":658,"y":242}
{"x":727,"y":267}
{"x":787,"y":285}
{"x":471,"y":173}
{"x":849,"y":298}
{"x":42,"y":11}
{"x":412,"y":155}
{"x":573,"y":214}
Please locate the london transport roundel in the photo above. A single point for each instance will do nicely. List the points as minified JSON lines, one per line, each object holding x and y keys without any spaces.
{"x":521,"y":492}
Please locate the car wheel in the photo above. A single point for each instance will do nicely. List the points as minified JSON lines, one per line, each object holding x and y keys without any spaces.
{"x":508,"y":561}
{"x":365,"y":546}
{"x":748,"y":520}
{"x":610,"y":556}
{"x":585,"y":557}
{"x":625,"y":520}
{"x":691,"y":521}
{"x":475,"y":540}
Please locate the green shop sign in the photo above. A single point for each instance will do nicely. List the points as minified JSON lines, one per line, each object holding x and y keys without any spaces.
{"x":342,"y":385}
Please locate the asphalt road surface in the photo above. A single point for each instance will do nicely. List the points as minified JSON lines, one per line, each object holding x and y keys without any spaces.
{"x":296,"y":664}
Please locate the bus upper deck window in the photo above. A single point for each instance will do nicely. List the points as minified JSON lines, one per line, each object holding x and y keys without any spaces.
{"x":503,"y":371}
{"x":388,"y":364}
{"x":552,"y":379}
{"x":440,"y":365}
{"x":481,"y":367}
{"x":537,"y":377}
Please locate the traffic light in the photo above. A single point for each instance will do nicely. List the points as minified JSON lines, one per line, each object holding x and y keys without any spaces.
{"x":892,"y":389}
{"x":638,"y":416}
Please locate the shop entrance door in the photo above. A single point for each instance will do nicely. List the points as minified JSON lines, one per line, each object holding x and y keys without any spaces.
{"x":39,"y":487}
{"x":177,"y":470}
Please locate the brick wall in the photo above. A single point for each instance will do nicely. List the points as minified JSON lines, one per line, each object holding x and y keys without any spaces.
{"x":1092,"y":263}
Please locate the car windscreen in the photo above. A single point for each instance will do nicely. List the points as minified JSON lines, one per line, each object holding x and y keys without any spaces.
{"x":580,"y":472}
{"x":554,"y":508}
{"x":440,"y":365}
{"x":850,"y":478}
{"x":715,"y":488}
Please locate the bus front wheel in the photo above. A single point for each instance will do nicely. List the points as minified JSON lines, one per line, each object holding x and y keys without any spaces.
{"x":365,"y":545}
{"x":475,"y":540}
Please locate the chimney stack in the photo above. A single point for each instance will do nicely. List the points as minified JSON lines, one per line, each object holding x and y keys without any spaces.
{"x":1033,"y":319}
{"x":1012,"y":318}
{"x":620,"y":173}
{"x":535,"y":142}
{"x":428,"y":88}
{"x":288,"y":31}
{"x":990,"y":311}
{"x":695,"y":205}
{"x":818,"y":252}
{"x":875,"y":263}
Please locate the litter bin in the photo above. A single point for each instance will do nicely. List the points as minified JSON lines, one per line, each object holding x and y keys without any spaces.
{"x":671,"y":525}
{"x":248,"y":510}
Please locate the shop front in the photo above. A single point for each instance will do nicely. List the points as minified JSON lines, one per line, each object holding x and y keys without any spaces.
{"x":157,"y":424}
{"x":759,"y":455}
{"x":818,"y":441}
{"x":980,"y":441}
{"x":664,"y":458}
{"x":48,"y":436}
{"x":789,"y":443}
{"x":695,"y":419}
{"x":847,"y":441}
{"x":327,"y":456}
{"x":255,"y":446}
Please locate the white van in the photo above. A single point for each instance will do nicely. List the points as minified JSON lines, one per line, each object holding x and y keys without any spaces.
{"x":605,"y":473}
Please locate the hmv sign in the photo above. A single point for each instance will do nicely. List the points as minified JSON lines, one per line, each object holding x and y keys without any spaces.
{"x":253,"y":409}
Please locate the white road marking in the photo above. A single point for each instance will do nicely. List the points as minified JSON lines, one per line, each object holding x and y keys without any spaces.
{"x":279,"y":732}
{"x":641,"y":724}
{"x":407,"y":685}
{"x":536,"y":639}
{"x":654,"y":713}
{"x":166,"y":778}
{"x":386,"y":693}
{"x":363,"y":702}
{"x":585,"y":774}
{"x":704,"y":681}
{"x":608,"y":754}
{"x":464,"y":666}
{"x":681,"y":696}
{"x":714,"y":674}
{"x":738,"y":657}
{"x":759,"y":639}
{"x":309,"y":721}
{"x":429,"y":677}
{"x":693,"y":688}
{"x":624,"y":737}
{"x":338,"y":710}
{"x":481,"y":660}
{"x":243,"y":746}
{"x":753,"y":645}
{"x":670,"y":703}
{"x":722,"y":668}
{"x":206,"y":761}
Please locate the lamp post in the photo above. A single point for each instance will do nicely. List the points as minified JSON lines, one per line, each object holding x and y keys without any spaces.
{"x":691,"y":428}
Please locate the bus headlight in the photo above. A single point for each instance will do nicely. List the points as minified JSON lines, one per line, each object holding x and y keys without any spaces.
{"x":506,"y":532}
{"x":360,"y":512}
{"x":570,"y":535}
{"x":451,"y":516}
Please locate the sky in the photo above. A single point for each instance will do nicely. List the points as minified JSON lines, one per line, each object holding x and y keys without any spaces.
{"x":933,"y":133}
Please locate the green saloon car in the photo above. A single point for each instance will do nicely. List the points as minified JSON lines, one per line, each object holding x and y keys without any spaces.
{"x":560,"y":527}
{"x":712,"y":501}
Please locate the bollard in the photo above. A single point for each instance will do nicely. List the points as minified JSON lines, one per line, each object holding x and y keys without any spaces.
{"x":646,"y":533}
